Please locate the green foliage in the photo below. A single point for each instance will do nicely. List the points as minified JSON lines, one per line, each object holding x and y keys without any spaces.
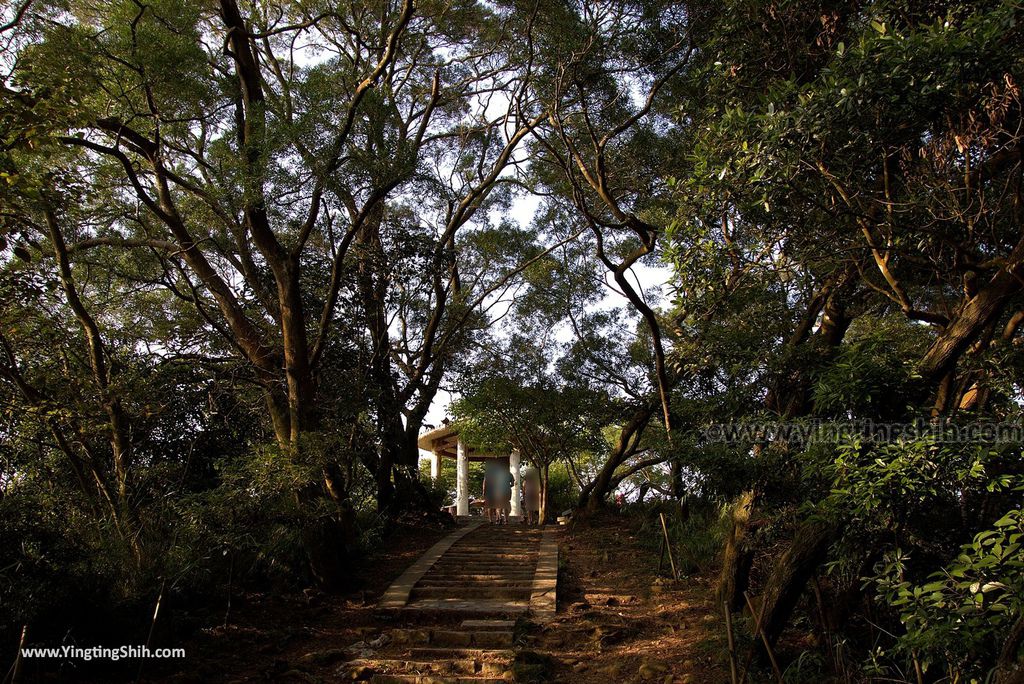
{"x":911,"y":501}
{"x":957,"y":619}
{"x":873,"y":374}
{"x":697,"y":532}
{"x":563,"y":493}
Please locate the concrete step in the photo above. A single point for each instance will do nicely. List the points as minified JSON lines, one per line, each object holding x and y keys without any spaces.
{"x":473,"y":581}
{"x":492,"y":556}
{"x":465,"y":608}
{"x":472,"y":591}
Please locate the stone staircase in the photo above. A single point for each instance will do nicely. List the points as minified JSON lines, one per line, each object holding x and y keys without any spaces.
{"x":488,"y":572}
{"x":476,"y":652}
{"x":459,"y":609}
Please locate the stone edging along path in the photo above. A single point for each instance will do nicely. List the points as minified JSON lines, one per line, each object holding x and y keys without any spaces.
{"x":544,"y":598}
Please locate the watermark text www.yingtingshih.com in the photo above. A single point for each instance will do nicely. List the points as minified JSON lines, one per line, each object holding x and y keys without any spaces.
{"x":88,"y":653}
{"x":802,"y":432}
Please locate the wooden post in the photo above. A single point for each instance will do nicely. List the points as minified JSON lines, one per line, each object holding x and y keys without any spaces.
{"x":764,"y":638}
{"x":732,"y":645}
{"x":16,"y":667}
{"x":668,"y":545}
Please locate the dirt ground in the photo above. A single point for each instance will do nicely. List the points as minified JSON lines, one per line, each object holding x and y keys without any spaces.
{"x":619,"y":621}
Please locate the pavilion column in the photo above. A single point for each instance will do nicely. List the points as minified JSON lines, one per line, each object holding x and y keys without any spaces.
{"x":435,"y":466}
{"x":513,"y":466}
{"x":461,"y":480}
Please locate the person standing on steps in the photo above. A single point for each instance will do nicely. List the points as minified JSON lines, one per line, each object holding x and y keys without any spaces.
{"x":507,"y":492}
{"x":491,"y":494}
{"x":498,"y":484}
{"x":531,"y":497}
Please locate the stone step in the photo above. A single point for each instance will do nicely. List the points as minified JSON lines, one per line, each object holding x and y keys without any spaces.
{"x":503,"y":547}
{"x":467,"y":591}
{"x":499,"y":625}
{"x":483,"y":568}
{"x":493,"y":639}
{"x":476,"y":564}
{"x":455,"y":580}
{"x":448,"y":666}
{"x":496,"y":574}
{"x":464,"y":638}
{"x":433,"y":679}
{"x":503,"y":554}
{"x":483,"y":655}
{"x":485,"y":574}
{"x":493,"y":554}
{"x":473,"y":581}
{"x":475,"y":639}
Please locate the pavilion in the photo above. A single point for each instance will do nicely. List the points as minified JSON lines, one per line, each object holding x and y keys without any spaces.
{"x":445,"y":442}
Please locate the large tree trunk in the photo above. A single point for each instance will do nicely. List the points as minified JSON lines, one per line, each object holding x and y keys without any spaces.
{"x":790,"y":398}
{"x":1010,"y":666}
{"x":594,"y":496}
{"x":974,"y":316}
{"x":790,"y":574}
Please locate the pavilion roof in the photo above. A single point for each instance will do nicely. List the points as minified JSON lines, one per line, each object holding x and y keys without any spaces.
{"x":444,"y":441}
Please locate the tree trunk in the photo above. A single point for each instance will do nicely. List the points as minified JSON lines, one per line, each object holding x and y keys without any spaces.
{"x":790,"y":398}
{"x":103,"y":377}
{"x":979,"y":312}
{"x":1010,"y":666}
{"x":790,"y":574}
{"x":738,"y":556}
{"x":593,"y":497}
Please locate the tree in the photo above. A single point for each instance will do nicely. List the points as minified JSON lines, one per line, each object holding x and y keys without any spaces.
{"x":818,"y":146}
{"x":512,"y":401}
{"x":274,"y":194}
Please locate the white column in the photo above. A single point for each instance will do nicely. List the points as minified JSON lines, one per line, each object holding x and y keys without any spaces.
{"x":435,"y":466}
{"x":513,"y":466}
{"x":461,"y":480}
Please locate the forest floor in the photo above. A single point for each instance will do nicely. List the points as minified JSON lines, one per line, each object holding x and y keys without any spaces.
{"x":618,"y":620}
{"x":621,"y":620}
